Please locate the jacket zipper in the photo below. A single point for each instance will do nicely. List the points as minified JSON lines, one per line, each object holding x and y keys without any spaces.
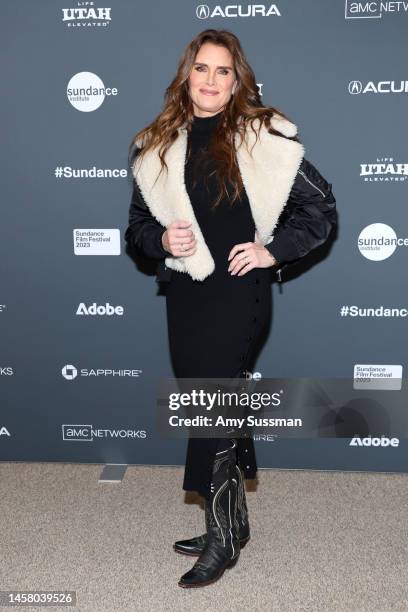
{"x":309,"y":181}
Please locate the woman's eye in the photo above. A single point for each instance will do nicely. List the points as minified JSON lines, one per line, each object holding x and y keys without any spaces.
{"x":200,"y":68}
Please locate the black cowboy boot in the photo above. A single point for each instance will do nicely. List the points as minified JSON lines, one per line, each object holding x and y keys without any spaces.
{"x":194,"y":546}
{"x":221,"y":549}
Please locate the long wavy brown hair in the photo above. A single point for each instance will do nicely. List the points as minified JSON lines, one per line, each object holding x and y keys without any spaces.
{"x":243,"y":108}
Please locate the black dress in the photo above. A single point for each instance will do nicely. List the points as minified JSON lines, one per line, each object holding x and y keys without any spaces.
{"x":214,"y":325}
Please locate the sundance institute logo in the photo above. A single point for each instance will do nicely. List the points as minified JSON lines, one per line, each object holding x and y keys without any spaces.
{"x":86,"y":91}
{"x":378,"y":241}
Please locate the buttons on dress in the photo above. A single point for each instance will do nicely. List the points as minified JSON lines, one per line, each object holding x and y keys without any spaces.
{"x":249,"y":338}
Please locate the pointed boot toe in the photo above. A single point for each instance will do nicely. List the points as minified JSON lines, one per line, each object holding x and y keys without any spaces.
{"x":212,"y":563}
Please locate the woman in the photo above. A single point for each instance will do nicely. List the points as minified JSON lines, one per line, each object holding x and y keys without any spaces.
{"x":220,"y":203}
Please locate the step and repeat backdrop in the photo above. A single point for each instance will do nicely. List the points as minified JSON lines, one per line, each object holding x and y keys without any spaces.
{"x":83,"y":324}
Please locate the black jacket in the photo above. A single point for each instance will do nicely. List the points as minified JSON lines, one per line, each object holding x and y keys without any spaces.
{"x":305,"y":223}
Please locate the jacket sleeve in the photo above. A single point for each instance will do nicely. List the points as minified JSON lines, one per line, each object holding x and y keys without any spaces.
{"x":144,"y":232}
{"x":307,"y":218}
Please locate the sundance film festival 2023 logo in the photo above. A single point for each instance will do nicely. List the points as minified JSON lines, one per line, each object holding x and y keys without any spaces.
{"x":377,"y":376}
{"x":95,"y":241}
{"x":87,"y":92}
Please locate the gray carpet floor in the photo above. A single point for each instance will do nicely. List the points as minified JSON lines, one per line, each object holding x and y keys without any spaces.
{"x":321,"y":541}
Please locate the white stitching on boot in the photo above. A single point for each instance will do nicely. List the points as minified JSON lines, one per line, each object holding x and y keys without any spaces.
{"x":216,"y":496}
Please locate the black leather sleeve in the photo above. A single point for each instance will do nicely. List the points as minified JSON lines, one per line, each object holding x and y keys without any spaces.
{"x":307,"y":218}
{"x":144,"y":232}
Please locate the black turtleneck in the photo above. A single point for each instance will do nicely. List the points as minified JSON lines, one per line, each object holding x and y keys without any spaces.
{"x":226,"y":225}
{"x":204,"y":125}
{"x":199,"y":136}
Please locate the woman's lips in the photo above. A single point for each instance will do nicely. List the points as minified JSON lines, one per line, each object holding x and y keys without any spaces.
{"x":208,"y":93}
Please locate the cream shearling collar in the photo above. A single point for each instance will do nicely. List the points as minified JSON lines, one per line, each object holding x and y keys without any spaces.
{"x":268,"y":173}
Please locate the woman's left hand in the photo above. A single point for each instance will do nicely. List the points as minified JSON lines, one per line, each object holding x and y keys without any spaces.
{"x":248,"y":255}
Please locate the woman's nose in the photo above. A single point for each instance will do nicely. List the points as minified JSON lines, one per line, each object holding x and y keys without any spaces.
{"x":210,"y":78}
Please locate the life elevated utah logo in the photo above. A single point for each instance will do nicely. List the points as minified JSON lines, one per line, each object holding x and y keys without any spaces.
{"x":371,"y":441}
{"x":86,"y":16}
{"x":384,"y":170}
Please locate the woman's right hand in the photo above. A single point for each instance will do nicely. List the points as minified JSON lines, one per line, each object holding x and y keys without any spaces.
{"x":179,"y":240}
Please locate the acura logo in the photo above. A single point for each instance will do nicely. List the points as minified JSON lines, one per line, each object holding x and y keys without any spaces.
{"x":355,"y":87}
{"x":237,"y":10}
{"x":202,"y":11}
{"x":381,"y":87}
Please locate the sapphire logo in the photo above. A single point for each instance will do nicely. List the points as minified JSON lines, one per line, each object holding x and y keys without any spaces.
{"x":69,"y":372}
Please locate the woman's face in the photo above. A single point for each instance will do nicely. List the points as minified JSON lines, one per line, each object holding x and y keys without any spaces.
{"x":211,"y":79}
